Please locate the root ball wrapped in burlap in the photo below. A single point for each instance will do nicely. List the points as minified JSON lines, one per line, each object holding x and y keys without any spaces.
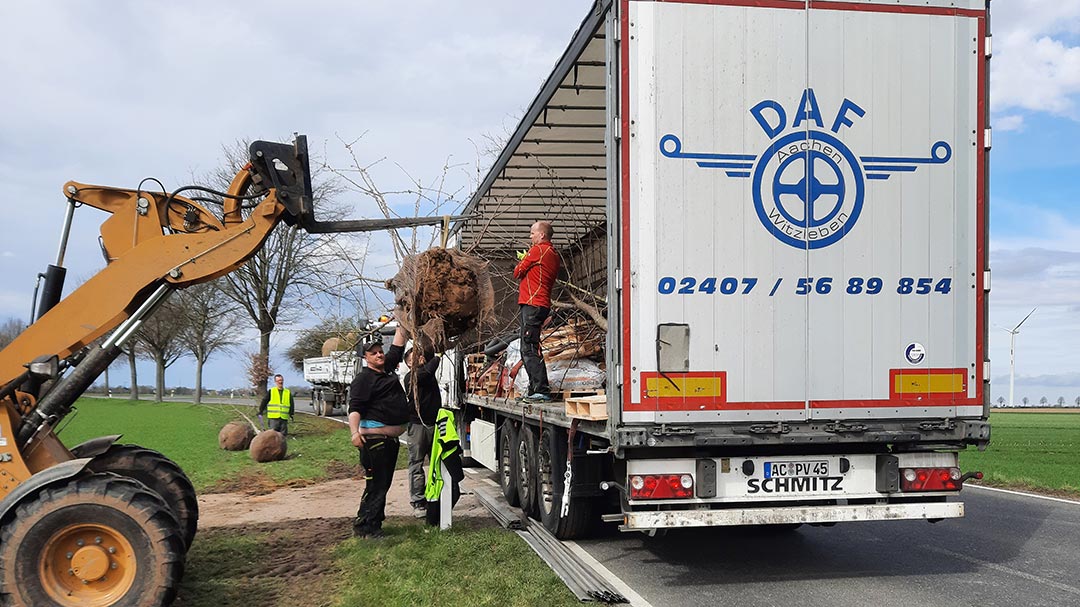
{"x":235,"y":436}
{"x":442,"y":296}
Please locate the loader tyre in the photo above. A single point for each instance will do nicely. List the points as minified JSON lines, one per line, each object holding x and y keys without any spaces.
{"x":100,"y":540}
{"x":526,"y":459}
{"x":160,"y":474}
{"x":551,"y":483}
{"x":508,"y":467}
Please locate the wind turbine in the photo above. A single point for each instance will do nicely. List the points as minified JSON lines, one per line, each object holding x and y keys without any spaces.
{"x":1012,"y":354}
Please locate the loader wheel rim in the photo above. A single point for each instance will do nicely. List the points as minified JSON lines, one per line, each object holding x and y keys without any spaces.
{"x":87,"y":564}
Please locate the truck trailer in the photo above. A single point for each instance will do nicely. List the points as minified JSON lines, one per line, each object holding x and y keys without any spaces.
{"x":785,"y":205}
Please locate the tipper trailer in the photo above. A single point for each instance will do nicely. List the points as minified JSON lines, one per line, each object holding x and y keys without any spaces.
{"x":784,"y":203}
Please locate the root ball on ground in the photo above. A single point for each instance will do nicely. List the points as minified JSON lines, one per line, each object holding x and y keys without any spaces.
{"x":268,"y":446}
{"x":235,"y":436}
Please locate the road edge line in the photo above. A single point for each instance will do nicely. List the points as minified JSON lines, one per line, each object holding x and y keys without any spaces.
{"x":1024,"y":494}
{"x":636,"y":600}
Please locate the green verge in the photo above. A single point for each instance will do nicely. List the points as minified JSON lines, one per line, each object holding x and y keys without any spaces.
{"x":1036,"y":451}
{"x":415,"y":565}
{"x":317,"y":449}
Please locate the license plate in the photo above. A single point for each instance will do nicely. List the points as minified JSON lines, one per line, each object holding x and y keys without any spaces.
{"x":796,"y":469}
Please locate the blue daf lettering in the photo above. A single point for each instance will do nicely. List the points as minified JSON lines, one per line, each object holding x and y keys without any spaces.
{"x":808,"y":186}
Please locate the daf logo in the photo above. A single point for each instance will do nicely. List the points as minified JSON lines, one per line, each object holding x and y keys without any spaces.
{"x":808,"y":186}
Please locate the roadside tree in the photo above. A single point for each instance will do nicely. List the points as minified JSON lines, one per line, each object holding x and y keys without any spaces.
{"x":271,"y":286}
{"x":159,"y":340}
{"x":9,"y":330}
{"x":211,"y":322}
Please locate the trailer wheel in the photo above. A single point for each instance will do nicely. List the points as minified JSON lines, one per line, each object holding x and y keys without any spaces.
{"x":99,"y":540}
{"x":508,"y":467}
{"x":160,"y":474}
{"x":526,"y":460}
{"x":551,"y":477}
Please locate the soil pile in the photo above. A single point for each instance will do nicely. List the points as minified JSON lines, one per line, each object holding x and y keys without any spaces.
{"x":441,"y":295}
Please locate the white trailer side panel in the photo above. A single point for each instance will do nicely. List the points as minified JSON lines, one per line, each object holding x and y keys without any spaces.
{"x":804,"y":194}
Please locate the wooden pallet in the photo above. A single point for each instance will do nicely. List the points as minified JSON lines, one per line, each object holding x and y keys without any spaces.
{"x":587,"y":407}
{"x":568,"y":394}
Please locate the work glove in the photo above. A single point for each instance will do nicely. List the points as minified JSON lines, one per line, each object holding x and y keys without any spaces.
{"x":261,"y":423}
{"x":521,"y":254}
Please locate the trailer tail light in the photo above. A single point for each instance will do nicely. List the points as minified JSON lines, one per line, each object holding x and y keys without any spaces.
{"x":661,"y":486}
{"x":930,"y":479}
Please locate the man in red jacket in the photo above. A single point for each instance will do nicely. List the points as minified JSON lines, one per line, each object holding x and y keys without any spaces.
{"x":536,"y":271}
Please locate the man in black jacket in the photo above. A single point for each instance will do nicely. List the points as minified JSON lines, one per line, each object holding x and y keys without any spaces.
{"x":424,"y":402}
{"x":378,"y":412}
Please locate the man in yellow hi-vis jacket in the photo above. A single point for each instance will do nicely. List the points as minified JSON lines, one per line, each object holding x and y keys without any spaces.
{"x":278,"y":406}
{"x":447,"y":451}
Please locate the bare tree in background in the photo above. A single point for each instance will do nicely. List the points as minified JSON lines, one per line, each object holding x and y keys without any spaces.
{"x":132,"y":355}
{"x":159,"y":339}
{"x":9,"y":330}
{"x":270,"y":287}
{"x":211,"y":321}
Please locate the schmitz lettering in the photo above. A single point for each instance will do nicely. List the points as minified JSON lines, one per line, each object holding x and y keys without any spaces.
{"x":795,"y":484}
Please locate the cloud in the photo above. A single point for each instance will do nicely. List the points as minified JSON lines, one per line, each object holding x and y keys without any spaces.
{"x":1036,"y":63}
{"x":1035,"y":263}
{"x":1013,"y":122}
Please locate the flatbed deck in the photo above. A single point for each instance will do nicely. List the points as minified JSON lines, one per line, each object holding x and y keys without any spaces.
{"x":549,"y":413}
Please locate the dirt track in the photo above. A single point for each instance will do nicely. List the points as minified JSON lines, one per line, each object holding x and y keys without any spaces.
{"x":333,"y":499}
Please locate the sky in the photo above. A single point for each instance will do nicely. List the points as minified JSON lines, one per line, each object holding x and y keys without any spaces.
{"x":156,"y":89}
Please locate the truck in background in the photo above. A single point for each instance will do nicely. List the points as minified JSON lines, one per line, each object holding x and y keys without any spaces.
{"x":331,"y":375}
{"x":783,"y":204}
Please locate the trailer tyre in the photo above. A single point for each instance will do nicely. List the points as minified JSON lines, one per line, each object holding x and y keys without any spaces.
{"x":99,"y":540}
{"x":508,"y":467}
{"x":551,"y":477}
{"x":161,"y":475}
{"x":526,"y":467}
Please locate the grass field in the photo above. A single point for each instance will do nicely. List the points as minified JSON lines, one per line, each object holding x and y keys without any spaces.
{"x":315,"y":562}
{"x":188,"y":434}
{"x":417,"y":566}
{"x":1037,"y":451}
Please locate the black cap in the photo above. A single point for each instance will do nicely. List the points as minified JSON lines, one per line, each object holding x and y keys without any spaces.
{"x":365,"y":348}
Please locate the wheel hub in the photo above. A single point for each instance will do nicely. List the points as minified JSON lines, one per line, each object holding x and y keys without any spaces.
{"x":87,"y":564}
{"x":90,"y":563}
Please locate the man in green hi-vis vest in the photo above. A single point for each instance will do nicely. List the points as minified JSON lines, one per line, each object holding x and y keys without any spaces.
{"x":278,"y":406}
{"x":447,"y":451}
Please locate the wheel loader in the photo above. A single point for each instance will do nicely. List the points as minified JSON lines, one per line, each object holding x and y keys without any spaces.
{"x":103,"y":523}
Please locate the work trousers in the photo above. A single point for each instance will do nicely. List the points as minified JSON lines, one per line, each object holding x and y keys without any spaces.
{"x":280,"y":424}
{"x":532,"y":318}
{"x":378,"y":457}
{"x":456,"y":473}
{"x":420,"y":439}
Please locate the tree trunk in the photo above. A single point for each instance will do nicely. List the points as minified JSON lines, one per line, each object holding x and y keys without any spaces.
{"x":159,"y":363}
{"x":134,"y":373}
{"x":198,"y":380}
{"x":264,"y":350}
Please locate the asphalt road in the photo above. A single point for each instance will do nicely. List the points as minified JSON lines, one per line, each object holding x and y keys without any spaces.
{"x":1009,"y":550}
